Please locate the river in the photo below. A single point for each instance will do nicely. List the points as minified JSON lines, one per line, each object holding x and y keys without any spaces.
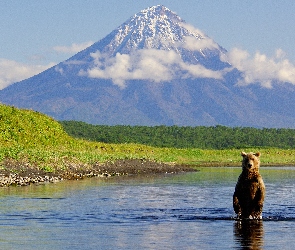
{"x":184,"y":211}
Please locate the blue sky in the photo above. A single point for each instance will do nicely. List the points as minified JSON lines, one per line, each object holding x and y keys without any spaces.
{"x":36,"y":34}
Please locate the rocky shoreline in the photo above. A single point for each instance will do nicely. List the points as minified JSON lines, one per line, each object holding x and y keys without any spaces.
{"x":20,"y":174}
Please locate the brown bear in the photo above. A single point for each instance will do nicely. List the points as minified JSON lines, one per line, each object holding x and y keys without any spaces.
{"x":249,"y":193}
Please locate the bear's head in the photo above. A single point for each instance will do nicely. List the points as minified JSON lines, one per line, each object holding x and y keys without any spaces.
{"x":251,"y":161}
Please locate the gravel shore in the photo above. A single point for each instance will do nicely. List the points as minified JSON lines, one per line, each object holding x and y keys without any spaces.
{"x":20,"y":174}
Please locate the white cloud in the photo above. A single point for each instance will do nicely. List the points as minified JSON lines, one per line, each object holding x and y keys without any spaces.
{"x":191,"y":43}
{"x":199,"y":71}
{"x":161,"y":65}
{"x":260,"y":68}
{"x":12,"y":71}
{"x":196,"y":32}
{"x":59,"y":69}
{"x":198,"y":40}
{"x":147,"y":64}
{"x":72,"y":49}
{"x":73,"y":62}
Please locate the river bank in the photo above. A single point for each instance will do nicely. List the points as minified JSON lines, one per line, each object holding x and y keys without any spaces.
{"x":21,"y":174}
{"x":34,"y":148}
{"x":16,"y":173}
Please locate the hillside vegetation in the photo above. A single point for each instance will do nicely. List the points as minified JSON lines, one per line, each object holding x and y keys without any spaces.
{"x":30,"y":139}
{"x":26,"y":128}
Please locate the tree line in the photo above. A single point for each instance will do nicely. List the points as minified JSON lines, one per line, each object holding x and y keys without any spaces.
{"x":214,"y":137}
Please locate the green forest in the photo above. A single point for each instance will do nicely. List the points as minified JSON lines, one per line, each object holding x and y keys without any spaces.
{"x":202,"y":137}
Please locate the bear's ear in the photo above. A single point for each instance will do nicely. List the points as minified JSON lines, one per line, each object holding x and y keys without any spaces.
{"x":257,"y":154}
{"x":243,"y":154}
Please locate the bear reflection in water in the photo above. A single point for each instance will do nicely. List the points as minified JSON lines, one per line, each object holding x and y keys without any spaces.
{"x":249,"y":193}
{"x":249,"y":234}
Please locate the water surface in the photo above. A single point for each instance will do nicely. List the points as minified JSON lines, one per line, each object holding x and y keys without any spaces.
{"x":186,"y":211}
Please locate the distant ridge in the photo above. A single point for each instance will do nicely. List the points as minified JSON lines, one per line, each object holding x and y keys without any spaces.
{"x":154,"y":69}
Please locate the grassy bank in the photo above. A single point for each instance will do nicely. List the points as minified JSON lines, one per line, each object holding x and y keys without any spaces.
{"x":35,"y":140}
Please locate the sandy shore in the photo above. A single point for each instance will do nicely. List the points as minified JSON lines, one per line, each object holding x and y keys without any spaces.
{"x":20,"y":174}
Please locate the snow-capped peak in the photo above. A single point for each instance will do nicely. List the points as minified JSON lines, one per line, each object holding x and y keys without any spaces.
{"x":157,"y":27}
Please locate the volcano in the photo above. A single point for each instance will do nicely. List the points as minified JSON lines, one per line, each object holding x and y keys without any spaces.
{"x":154,"y":69}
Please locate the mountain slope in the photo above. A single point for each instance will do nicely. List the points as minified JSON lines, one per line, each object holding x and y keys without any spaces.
{"x":153,"y":69}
